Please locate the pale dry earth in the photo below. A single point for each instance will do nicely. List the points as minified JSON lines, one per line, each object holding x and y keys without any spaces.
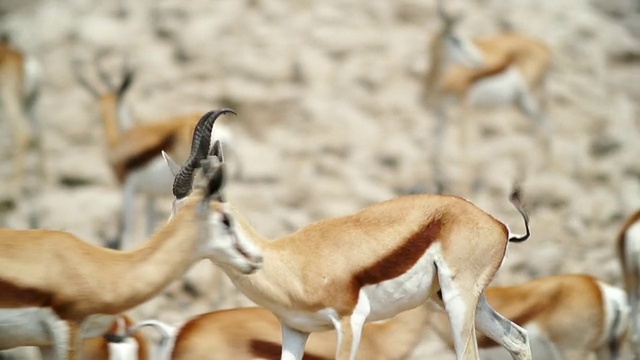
{"x":331,"y":120}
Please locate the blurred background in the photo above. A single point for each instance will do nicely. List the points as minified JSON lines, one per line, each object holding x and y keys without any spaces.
{"x":331,"y":118}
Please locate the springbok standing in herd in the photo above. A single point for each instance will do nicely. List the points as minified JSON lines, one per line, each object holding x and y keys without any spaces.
{"x":42,"y":328}
{"x":508,"y":68}
{"x":20,"y":78}
{"x":387,"y":258}
{"x":628,"y":243}
{"x":250,"y":333}
{"x":117,"y":344}
{"x":105,"y":281}
{"x":549,"y":308}
{"x":574,"y":315}
{"x":134,"y":153}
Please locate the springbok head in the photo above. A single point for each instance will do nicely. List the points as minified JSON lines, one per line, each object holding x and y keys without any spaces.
{"x":454,"y":48}
{"x":230,"y":246}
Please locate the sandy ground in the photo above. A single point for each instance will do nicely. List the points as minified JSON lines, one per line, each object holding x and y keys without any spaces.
{"x":331,"y":120}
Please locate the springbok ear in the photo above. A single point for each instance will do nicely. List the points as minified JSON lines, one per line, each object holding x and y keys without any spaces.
{"x":173,"y":166}
{"x":215,"y":181}
{"x":216,"y":151}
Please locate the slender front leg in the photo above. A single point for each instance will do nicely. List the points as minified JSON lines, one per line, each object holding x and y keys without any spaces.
{"x":151,"y":214}
{"x":50,"y":353}
{"x":467,"y":146}
{"x":74,"y":341}
{"x":58,"y":331}
{"x":350,"y":337}
{"x":128,"y":210}
{"x":348,"y":348}
{"x":293,"y":343}
{"x":437,"y":149}
{"x":501,"y":330}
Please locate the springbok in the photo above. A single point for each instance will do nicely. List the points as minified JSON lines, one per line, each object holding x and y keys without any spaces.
{"x":508,"y":68}
{"x":629,"y":254}
{"x":113,"y":345}
{"x":134,"y":153}
{"x":390,"y":257}
{"x":57,"y":270}
{"x":250,"y":333}
{"x":20,"y":80}
{"x":42,"y":328}
{"x":575,"y":315}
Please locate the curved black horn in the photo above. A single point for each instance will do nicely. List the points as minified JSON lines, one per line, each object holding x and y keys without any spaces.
{"x":199,"y":150}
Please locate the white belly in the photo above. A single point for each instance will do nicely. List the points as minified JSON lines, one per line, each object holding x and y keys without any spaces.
{"x":499,"y":89}
{"x":385,"y":299}
{"x":405,"y":292}
{"x":154,"y":178}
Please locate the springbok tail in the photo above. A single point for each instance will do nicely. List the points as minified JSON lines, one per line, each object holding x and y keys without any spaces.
{"x":516,"y":200}
{"x":167,"y":332}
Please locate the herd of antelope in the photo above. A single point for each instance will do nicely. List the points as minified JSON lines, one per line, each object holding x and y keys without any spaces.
{"x":362,"y":286}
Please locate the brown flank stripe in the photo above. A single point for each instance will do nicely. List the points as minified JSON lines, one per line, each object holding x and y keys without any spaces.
{"x":16,"y":296}
{"x":401,"y":259}
{"x":143,"y":158}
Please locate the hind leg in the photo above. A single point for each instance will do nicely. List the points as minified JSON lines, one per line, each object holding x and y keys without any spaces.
{"x":530,"y":106}
{"x":151,"y":214}
{"x":500,"y":329}
{"x":461,"y":307}
{"x":437,"y":150}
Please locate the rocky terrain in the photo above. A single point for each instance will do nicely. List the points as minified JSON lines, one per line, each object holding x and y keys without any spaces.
{"x":331,"y":119}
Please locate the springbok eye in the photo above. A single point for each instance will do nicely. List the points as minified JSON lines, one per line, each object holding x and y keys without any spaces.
{"x":226,"y":221}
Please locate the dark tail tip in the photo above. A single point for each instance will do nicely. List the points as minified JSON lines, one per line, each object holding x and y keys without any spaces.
{"x":516,"y":199}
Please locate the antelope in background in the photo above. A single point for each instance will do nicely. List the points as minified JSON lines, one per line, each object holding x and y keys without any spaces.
{"x":390,"y":257}
{"x":628,"y":246}
{"x":573,"y":315}
{"x":20,"y":80}
{"x":507,"y":68}
{"x":57,"y":270}
{"x":134,"y":153}
{"x":250,"y":333}
{"x":43,"y":329}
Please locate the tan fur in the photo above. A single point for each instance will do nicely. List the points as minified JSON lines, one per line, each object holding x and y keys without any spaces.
{"x":383,"y":227}
{"x":135,"y":147}
{"x":250,"y":333}
{"x":302,"y":273}
{"x":568,"y":309}
{"x":43,"y":268}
